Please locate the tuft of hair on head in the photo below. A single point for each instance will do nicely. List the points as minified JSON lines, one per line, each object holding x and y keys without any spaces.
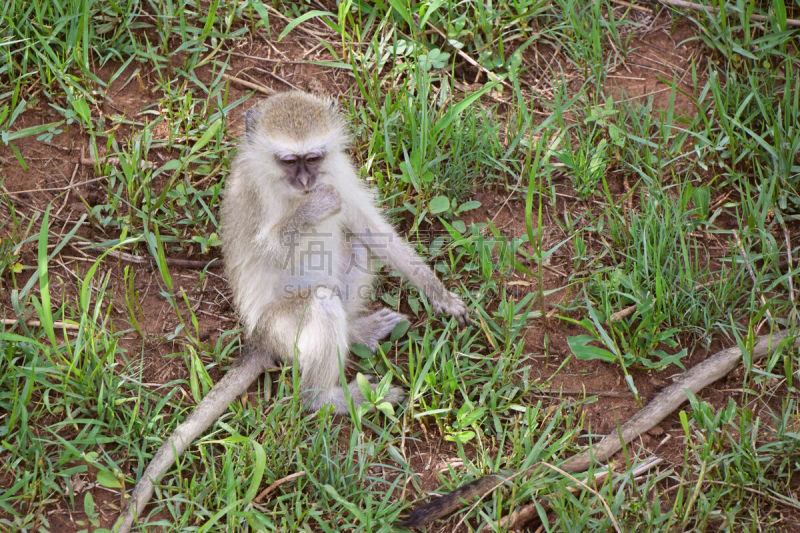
{"x":302,"y":120}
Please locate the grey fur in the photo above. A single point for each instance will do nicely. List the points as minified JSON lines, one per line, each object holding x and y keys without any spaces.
{"x":251,"y":117}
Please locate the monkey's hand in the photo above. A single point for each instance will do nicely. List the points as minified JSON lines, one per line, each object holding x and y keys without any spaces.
{"x":321,"y":202}
{"x":316,"y":205}
{"x":450,"y":303}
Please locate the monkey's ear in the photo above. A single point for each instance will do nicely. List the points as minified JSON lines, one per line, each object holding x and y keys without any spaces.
{"x":251,"y":117}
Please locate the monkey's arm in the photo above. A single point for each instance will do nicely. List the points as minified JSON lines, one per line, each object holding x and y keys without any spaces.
{"x":247,"y":368}
{"x":368,"y":226}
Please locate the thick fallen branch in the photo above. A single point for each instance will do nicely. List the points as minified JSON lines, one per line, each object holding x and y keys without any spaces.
{"x":710,"y":370}
{"x":694,"y":379}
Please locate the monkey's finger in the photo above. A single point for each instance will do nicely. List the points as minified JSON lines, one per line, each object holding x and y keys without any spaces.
{"x":459,"y":310}
{"x":463,"y":318}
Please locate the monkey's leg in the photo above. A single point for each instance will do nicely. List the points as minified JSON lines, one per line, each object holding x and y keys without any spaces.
{"x":322,"y":345}
{"x":244,"y":372}
{"x":370,"y":329}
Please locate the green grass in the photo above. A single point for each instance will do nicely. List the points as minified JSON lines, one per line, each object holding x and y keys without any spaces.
{"x":685,"y":216}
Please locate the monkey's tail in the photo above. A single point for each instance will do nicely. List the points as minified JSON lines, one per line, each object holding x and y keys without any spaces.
{"x":444,"y":505}
{"x":233,"y":384}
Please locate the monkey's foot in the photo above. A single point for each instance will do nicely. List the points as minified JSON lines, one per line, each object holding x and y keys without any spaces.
{"x":395,"y":395}
{"x":335,"y":396}
{"x":370,"y":329}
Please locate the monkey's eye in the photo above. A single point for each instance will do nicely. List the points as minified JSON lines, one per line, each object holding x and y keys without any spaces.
{"x":288,"y":159}
{"x":313,"y":158}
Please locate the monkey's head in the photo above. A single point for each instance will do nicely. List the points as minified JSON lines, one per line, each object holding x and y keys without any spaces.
{"x":298,"y":133}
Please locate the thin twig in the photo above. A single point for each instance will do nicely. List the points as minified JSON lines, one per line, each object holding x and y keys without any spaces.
{"x":71,"y":181}
{"x":114,"y":160}
{"x":172,"y":261}
{"x":316,"y":34}
{"x":582,"y":392}
{"x":279,"y":78}
{"x":291,"y":477}
{"x":789,"y":262}
{"x":622,"y":313}
{"x":714,"y":10}
{"x":466,"y":57}
{"x":590,"y":489}
{"x":525,"y":514}
{"x":56,"y":189}
{"x":633,"y":6}
{"x":36,"y":323}
{"x":249,"y":84}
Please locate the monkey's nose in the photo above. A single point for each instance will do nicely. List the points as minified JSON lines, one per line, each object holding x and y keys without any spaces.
{"x":308,"y":180}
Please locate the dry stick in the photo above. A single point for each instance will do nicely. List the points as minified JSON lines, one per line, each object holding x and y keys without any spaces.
{"x":172,"y":261}
{"x":114,"y":160}
{"x":66,"y":196}
{"x":36,"y":323}
{"x":54,"y":189}
{"x":529,"y":512}
{"x":484,"y":486}
{"x":278,"y":78}
{"x":709,"y":9}
{"x":264,"y":493}
{"x":316,"y":34}
{"x":451,"y":501}
{"x":619,"y":315}
{"x":694,"y":379}
{"x":633,"y":6}
{"x":789,"y":262}
{"x":466,"y":57}
{"x":590,"y":489}
{"x":249,"y":84}
{"x":586,"y":392}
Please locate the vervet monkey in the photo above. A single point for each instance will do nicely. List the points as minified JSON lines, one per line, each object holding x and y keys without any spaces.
{"x":298,"y":231}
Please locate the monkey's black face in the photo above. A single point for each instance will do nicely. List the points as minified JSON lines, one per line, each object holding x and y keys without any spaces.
{"x":301,"y":169}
